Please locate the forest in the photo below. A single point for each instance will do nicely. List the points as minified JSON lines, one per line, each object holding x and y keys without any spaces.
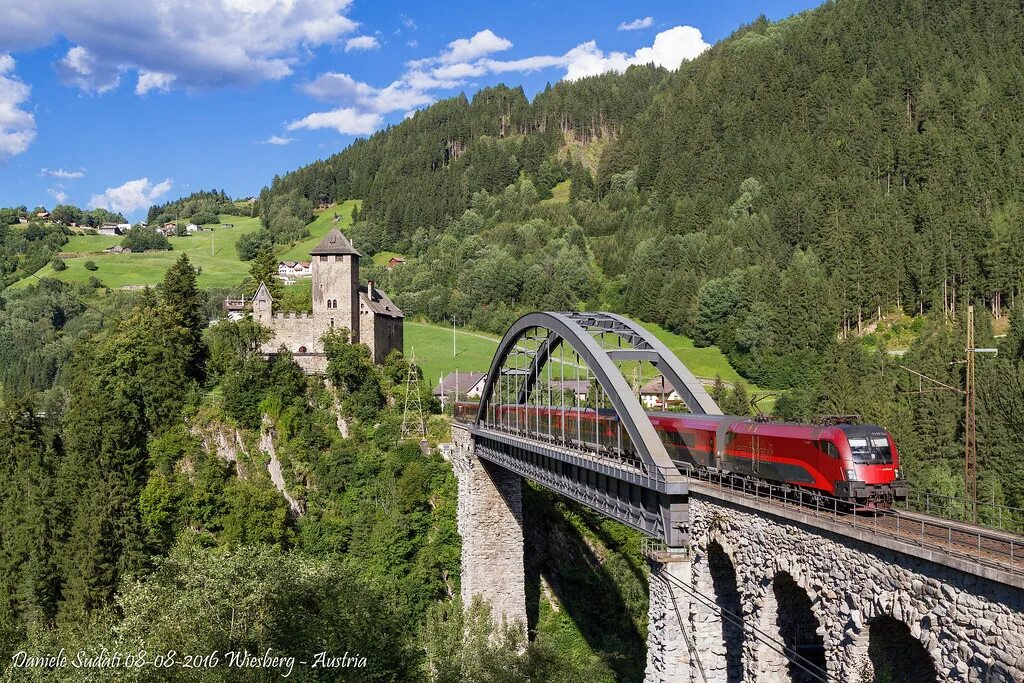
{"x":801,"y":185}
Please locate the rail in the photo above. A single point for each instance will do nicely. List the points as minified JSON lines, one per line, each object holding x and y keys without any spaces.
{"x":976,"y":544}
{"x":989,"y":513}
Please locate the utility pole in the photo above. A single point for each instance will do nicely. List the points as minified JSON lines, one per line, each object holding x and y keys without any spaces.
{"x":971,"y":425}
{"x":453,"y":337}
{"x":970,"y":418}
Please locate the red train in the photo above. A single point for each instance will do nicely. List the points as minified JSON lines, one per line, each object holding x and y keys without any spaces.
{"x":852,"y":462}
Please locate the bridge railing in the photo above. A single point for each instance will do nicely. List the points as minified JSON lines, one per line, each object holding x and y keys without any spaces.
{"x":977,"y":544}
{"x":989,"y":513}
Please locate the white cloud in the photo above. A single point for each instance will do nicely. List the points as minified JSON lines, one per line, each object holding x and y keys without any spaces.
{"x":343,"y":89}
{"x":61,"y":173}
{"x":153,"y":80}
{"x":347,"y":121}
{"x":670,"y":49}
{"x":80,"y":68}
{"x":466,"y":49}
{"x":198,"y":44}
{"x":636,"y":24}
{"x":17,"y":126}
{"x":278,"y":140}
{"x":361,"y":43}
{"x":60,"y":195}
{"x":133,"y":196}
{"x":362,"y":105}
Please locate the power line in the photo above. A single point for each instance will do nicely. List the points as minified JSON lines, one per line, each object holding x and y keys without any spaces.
{"x":777,"y":646}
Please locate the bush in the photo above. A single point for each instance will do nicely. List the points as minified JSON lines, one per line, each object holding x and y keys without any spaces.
{"x":251,"y":244}
{"x":144,"y":239}
{"x":58,"y":265}
{"x":95,"y":282}
{"x":91,"y":265}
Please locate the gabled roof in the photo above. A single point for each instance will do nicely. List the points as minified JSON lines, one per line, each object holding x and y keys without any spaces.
{"x":657,"y":387}
{"x":263,"y":294}
{"x":380,"y":303}
{"x":334,"y":243}
{"x":458,"y":382}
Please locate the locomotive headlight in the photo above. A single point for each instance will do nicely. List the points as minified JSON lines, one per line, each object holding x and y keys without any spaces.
{"x":851,"y":475}
{"x":896,"y":473}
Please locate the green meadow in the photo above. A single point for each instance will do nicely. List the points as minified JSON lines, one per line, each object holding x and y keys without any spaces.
{"x":213,"y":251}
{"x":432,"y":345}
{"x":320,"y":226}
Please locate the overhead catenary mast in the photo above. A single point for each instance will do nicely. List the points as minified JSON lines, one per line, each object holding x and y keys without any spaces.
{"x":413,"y":422}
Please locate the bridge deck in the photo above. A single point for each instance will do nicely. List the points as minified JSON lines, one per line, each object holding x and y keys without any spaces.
{"x":974,"y":550}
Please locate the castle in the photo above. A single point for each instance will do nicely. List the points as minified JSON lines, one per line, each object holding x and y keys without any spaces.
{"x":338,"y":301}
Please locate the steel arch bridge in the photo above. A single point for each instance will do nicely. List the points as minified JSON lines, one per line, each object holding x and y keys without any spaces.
{"x":558,"y":408}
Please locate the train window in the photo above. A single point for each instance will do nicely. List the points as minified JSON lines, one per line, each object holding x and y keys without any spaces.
{"x":829,"y":448}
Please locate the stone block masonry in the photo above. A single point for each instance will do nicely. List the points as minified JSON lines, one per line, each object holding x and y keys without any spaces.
{"x":490,"y":521}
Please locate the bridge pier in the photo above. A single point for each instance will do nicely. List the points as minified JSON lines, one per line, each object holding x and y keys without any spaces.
{"x":668,"y":611}
{"x":490,"y":522}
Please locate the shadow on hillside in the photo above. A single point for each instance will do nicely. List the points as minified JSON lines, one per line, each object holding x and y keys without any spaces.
{"x":585,"y":590}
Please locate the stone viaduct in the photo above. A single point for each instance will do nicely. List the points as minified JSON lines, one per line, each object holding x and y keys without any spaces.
{"x":752,"y":589}
{"x":848,"y":602}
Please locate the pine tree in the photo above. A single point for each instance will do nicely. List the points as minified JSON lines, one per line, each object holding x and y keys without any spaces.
{"x":185,"y":300}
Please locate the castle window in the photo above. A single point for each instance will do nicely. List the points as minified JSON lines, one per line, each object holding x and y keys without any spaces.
{"x":332,"y":322}
{"x":337,"y":257}
{"x":323,"y":257}
{"x":302,"y":349}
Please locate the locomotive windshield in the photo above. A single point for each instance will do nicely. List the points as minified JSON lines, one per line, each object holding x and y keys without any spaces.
{"x":870,"y":450}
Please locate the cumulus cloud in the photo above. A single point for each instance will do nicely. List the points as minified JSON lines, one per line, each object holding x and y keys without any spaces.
{"x":362,"y":105}
{"x":80,"y":68}
{"x":17,"y":126}
{"x":466,"y":49}
{"x":153,"y":80}
{"x":346,"y":120}
{"x":636,"y":24}
{"x":190,"y":44}
{"x":61,"y":173}
{"x":133,"y":196}
{"x":278,"y":140}
{"x":670,"y":49}
{"x":57,"y":193}
{"x":361,"y":43}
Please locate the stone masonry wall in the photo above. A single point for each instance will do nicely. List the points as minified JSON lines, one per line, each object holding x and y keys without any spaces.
{"x":972,"y":628}
{"x":668,"y":657}
{"x":490,"y":521}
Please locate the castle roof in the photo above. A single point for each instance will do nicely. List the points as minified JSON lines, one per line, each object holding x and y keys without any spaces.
{"x":380,"y":303}
{"x":334,"y":243}
{"x":263,"y":294}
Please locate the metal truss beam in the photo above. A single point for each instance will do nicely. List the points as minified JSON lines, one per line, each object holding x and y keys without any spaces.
{"x":656,"y":513}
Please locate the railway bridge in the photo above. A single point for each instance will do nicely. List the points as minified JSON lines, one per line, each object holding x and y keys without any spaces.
{"x":747,"y":582}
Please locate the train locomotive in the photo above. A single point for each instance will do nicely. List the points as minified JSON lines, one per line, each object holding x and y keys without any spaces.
{"x":855,"y":463}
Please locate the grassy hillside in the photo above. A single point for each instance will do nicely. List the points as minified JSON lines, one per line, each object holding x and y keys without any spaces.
{"x":213,"y":252}
{"x":474,"y":350}
{"x":320,"y":226}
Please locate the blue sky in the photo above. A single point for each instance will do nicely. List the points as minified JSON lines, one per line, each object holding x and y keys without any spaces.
{"x":122,"y":104}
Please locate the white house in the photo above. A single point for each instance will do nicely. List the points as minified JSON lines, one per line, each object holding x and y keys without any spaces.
{"x":191,"y":228}
{"x":457,"y":386}
{"x":286,"y":270}
{"x":124,"y":227}
{"x":658,"y":393}
{"x":110,"y":229}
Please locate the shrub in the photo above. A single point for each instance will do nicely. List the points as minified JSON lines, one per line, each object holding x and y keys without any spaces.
{"x":58,"y":265}
{"x":91,"y":265}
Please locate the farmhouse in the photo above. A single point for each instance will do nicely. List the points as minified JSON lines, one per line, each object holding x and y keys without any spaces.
{"x":110,"y":229}
{"x":460,"y":385}
{"x":339,"y":301}
{"x":287,"y":270}
{"x":395,"y":262}
{"x":658,"y":393}
{"x":191,"y":228}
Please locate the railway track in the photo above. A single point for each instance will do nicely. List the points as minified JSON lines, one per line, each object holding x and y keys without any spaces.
{"x":983,"y":545}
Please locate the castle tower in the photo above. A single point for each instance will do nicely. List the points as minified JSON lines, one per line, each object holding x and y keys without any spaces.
{"x":263,"y":305}
{"x":335,"y":264}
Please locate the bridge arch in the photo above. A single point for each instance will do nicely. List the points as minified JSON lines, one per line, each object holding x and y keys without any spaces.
{"x":580,"y":331}
{"x":787,"y":610}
